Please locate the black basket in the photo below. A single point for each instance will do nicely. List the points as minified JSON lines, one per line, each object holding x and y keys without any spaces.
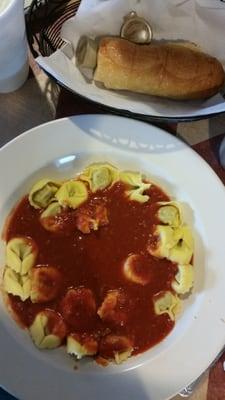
{"x":44,"y":19}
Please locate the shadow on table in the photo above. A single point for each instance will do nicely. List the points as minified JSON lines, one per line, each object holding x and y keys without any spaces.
{"x":71,"y":104}
{"x":6,"y":396}
{"x":132,"y":389}
{"x":23,"y":109}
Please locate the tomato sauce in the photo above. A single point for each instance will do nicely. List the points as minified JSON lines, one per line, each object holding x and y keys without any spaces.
{"x":94,"y":261}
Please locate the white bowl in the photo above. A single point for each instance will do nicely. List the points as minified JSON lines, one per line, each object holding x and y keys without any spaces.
{"x":62,"y":148}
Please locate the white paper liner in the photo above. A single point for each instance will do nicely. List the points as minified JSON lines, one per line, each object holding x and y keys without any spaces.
{"x":198,"y":21}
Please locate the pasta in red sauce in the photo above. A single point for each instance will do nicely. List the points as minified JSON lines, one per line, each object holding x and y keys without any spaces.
{"x":103,"y":300}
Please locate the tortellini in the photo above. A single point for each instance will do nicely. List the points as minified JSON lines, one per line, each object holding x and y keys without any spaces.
{"x":167,"y":303}
{"x":116,"y":347}
{"x":48,"y":217}
{"x":47,"y":330}
{"x":45,"y":283}
{"x":78,"y":307}
{"x":72,"y":194}
{"x":169,"y":213}
{"x":174,"y":244}
{"x":122,"y":356}
{"x":136,"y":269}
{"x":114,"y":308}
{"x":81,"y":347}
{"x":133,"y":179}
{"x":137,"y":186}
{"x":165,"y":241}
{"x":183,"y":279}
{"x":42,"y":193}
{"x":16,"y":284}
{"x":137,"y":194}
{"x":21,"y":253}
{"x":100,"y":176}
{"x":183,"y":251}
{"x":52,"y":210}
{"x":91,"y":219}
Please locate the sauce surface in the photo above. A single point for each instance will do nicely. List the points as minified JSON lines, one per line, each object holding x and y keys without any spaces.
{"x":94,"y":261}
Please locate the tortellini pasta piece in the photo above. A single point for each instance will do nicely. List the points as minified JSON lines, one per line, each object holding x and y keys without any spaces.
{"x":21,"y":254}
{"x":100,"y":176}
{"x":47,"y":330}
{"x":133,"y":179}
{"x":91,"y":219}
{"x":78,"y":307}
{"x":52,"y":210}
{"x":122,"y":356}
{"x":137,"y":270}
{"x":114,"y":308}
{"x":137,"y":186}
{"x":45,"y":283}
{"x":184,"y":279}
{"x":167,"y":303}
{"x":81,"y":346}
{"x":16,"y":284}
{"x":182,"y":252}
{"x":169,"y":213}
{"x":137,"y":194}
{"x":47,"y":218}
{"x":42,"y":193}
{"x":175,"y":244}
{"x":72,"y":194}
{"x":116,"y":347}
{"x":165,"y":242}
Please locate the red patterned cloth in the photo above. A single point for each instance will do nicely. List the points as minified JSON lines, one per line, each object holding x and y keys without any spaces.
{"x":216,"y":384}
{"x":209,"y":150}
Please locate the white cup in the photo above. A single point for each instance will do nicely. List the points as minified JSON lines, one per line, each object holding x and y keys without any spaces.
{"x":14,"y":65}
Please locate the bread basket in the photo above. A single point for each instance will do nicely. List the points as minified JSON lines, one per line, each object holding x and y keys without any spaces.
{"x":44,"y":19}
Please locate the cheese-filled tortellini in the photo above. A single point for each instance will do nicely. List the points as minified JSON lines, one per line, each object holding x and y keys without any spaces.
{"x":137,"y":194}
{"x":47,"y":218}
{"x":52,"y":210}
{"x":48,"y":329}
{"x":137,"y":186}
{"x":42,"y":193}
{"x":91,"y":219}
{"x":169,"y":213}
{"x":175,"y":244}
{"x":133,"y":179}
{"x":121,"y":356}
{"x":184,"y":279}
{"x":80,"y":347}
{"x":116,"y":347}
{"x":72,"y":194}
{"x":100,"y":176}
{"x":114,"y":308}
{"x":165,"y":242}
{"x":167,"y":303}
{"x":21,"y":254}
{"x":45,"y":283}
{"x":137,"y":270}
{"x":182,"y":252}
{"x":16,"y":284}
{"x":78,"y":307}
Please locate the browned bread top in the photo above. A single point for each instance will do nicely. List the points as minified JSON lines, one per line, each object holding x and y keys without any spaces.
{"x":167,"y":70}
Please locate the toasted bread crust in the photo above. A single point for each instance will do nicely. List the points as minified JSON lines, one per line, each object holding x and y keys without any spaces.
{"x":166,"y":70}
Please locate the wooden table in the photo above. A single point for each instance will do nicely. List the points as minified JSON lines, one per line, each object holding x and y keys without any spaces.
{"x":41,"y":100}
